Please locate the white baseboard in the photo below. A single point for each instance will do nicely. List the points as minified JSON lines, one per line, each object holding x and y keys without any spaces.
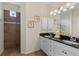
{"x":28,"y":52}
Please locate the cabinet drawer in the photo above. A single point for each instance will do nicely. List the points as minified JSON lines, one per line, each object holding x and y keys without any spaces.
{"x":71,"y":51}
{"x":58,"y":52}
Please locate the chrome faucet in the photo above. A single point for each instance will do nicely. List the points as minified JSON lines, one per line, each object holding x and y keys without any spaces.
{"x":73,"y":39}
{"x":50,"y":35}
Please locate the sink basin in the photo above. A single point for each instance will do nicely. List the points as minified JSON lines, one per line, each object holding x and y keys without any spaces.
{"x":70,"y":42}
{"x":47,"y":36}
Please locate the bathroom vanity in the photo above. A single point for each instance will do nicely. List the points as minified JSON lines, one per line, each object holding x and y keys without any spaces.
{"x":57,"y":47}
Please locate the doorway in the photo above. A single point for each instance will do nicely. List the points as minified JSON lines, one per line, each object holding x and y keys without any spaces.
{"x":11,"y":30}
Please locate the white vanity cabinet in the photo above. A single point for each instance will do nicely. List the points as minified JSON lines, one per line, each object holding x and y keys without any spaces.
{"x":54,"y":48}
{"x":45,"y":45}
{"x":41,"y":43}
{"x":58,"y":50}
{"x":67,"y":50}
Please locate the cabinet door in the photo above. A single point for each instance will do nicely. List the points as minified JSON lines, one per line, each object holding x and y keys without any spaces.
{"x":41,"y":43}
{"x":51,"y":48}
{"x":70,"y":51}
{"x":44,"y":44}
{"x":47,"y":46}
{"x":57,"y":50}
{"x":64,"y":50}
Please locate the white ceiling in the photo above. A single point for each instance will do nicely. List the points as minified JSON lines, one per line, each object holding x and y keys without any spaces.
{"x":52,"y":5}
{"x":15,"y":3}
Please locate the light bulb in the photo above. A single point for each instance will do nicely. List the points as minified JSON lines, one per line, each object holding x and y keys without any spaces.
{"x":51,"y":13}
{"x":61,"y":8}
{"x":68,"y":4}
{"x":72,"y":7}
{"x":55,"y":10}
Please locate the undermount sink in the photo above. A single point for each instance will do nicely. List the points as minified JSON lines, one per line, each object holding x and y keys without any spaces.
{"x":70,"y":42}
{"x":47,"y":36}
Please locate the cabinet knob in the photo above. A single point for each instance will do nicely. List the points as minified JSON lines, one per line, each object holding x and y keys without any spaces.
{"x":64,"y":52}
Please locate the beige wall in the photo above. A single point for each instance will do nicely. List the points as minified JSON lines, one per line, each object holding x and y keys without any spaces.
{"x":1,"y":29}
{"x":30,"y":36}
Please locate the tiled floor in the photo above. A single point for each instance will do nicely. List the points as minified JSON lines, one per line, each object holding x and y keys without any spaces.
{"x":15,"y":52}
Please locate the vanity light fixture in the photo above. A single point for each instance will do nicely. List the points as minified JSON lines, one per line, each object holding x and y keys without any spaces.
{"x":68,"y":4}
{"x":54,"y":14}
{"x":61,"y":8}
{"x":64,"y":9}
{"x":55,"y":10}
{"x":58,"y":12}
{"x":51,"y":13}
{"x":72,"y":7}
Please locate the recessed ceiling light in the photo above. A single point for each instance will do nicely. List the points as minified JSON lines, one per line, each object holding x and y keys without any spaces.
{"x":61,"y":8}
{"x":64,"y":9}
{"x":68,"y":4}
{"x":72,"y":7}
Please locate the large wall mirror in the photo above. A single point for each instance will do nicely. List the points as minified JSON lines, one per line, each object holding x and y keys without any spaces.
{"x":69,"y":22}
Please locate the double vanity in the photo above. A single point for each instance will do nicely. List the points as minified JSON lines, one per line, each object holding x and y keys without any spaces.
{"x":58,"y":46}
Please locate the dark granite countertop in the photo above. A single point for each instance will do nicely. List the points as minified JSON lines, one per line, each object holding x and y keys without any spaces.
{"x":61,"y":41}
